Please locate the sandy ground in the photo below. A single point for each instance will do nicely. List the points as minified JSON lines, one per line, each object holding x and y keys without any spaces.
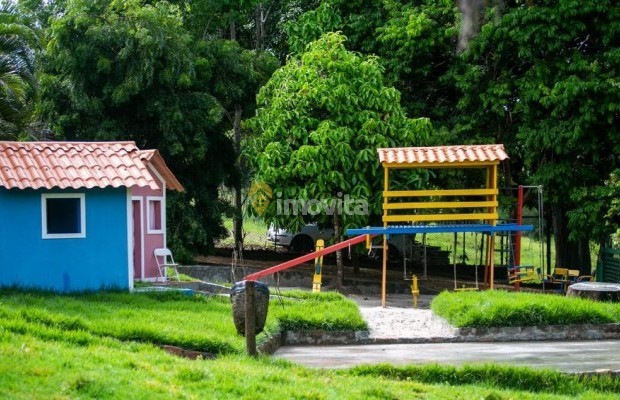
{"x":400,"y":320}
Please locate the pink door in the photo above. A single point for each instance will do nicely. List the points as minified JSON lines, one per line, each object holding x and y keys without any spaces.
{"x":137,"y":239}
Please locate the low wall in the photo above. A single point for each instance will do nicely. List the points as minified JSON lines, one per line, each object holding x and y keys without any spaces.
{"x":495,"y":334}
{"x":297,"y":277}
{"x":222,"y":274}
{"x":532,"y":333}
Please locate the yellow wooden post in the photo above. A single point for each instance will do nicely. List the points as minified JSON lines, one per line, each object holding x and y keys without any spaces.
{"x":386,"y":187}
{"x":415,"y":290}
{"x":318,"y":268}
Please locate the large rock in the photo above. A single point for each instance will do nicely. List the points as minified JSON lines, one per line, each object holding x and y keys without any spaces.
{"x":261,"y":305}
{"x":600,"y":291}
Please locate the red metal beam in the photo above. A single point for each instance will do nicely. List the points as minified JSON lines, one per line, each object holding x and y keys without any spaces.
{"x":517,"y":251}
{"x":311,"y":256}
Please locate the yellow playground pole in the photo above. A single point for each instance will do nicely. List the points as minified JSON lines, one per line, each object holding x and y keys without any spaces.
{"x":415,"y":291}
{"x":318,"y":266}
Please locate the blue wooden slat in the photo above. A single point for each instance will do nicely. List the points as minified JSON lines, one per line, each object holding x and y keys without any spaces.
{"x":411,"y":229}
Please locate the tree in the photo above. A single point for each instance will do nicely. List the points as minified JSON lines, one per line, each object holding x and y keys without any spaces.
{"x":319,"y":121}
{"x":17,"y":71}
{"x":415,"y":40}
{"x":543,"y":79}
{"x":234,"y":75}
{"x":129,"y":70}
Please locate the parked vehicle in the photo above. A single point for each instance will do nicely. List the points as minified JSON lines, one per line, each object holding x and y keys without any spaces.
{"x":304,"y":241}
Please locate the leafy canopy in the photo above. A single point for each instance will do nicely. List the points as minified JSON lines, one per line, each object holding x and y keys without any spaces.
{"x":129,"y":70}
{"x":544,"y":80}
{"x":319,"y":121}
{"x":17,"y":70}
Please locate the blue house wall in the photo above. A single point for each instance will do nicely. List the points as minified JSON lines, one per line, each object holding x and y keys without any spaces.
{"x":97,"y":261}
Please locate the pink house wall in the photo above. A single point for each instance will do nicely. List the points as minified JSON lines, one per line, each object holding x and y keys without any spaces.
{"x":151,"y":241}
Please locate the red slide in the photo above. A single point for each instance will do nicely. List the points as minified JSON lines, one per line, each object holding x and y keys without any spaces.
{"x":308,"y":257}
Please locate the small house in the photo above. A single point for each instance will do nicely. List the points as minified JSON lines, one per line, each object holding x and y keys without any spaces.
{"x":77,"y":216}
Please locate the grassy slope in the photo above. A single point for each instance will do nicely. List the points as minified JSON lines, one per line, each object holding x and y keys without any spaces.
{"x":193,"y":322}
{"x":499,"y":308}
{"x":32,"y":368}
{"x":57,"y":347}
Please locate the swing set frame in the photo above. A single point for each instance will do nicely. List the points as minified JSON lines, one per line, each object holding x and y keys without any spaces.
{"x":427,"y":211}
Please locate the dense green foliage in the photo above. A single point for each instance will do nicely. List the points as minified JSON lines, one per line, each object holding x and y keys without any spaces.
{"x":320,"y":119}
{"x":543,"y":80}
{"x":130,"y":70}
{"x":540,"y":77}
{"x":499,"y":308}
{"x":414,"y":40}
{"x":17,"y":71}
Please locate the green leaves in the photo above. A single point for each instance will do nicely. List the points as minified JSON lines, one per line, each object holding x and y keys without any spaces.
{"x":130,"y":70}
{"x":17,"y":70}
{"x":319,"y":121}
{"x":538,"y":80}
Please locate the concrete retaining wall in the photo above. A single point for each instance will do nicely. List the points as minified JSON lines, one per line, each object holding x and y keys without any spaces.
{"x":497,"y":334}
{"x":298,"y":277}
{"x":532,"y":333}
{"x":222,"y":274}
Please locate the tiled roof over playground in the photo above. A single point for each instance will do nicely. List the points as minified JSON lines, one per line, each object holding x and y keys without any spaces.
{"x":442,"y":154}
{"x":72,"y":165}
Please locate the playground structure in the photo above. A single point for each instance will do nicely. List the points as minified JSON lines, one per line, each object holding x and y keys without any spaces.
{"x":407,"y":212}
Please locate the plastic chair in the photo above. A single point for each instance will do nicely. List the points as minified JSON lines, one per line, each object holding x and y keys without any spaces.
{"x":522,"y":274}
{"x":563,"y":277}
{"x":165,"y":261}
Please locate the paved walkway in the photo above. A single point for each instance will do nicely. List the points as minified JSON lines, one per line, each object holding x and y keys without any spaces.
{"x":581,"y":356}
{"x":399,"y":320}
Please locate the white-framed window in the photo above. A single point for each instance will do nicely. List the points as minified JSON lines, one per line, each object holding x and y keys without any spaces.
{"x":154,"y":214}
{"x":63,"y":215}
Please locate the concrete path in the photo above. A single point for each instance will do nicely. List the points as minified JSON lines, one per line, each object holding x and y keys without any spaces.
{"x":581,"y":356}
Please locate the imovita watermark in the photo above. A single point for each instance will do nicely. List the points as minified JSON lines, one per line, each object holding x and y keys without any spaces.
{"x":261,"y":196}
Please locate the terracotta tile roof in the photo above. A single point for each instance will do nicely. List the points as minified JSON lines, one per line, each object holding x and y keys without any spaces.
{"x":154,"y":159}
{"x":483,"y":154}
{"x":74,"y":165}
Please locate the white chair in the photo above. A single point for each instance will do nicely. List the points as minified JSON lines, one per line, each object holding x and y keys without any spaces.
{"x":165,"y":262}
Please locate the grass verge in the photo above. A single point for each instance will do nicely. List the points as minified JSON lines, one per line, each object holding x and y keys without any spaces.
{"x":491,"y":375}
{"x":328,"y":311}
{"x":499,"y":308}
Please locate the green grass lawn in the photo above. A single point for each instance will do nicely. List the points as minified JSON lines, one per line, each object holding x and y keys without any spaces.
{"x":468,"y":248}
{"x":192,"y":322}
{"x":103,"y":346}
{"x":500,"y":308}
{"x":254,"y":233}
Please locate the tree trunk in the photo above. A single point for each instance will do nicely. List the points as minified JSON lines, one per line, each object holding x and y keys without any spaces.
{"x":238,"y":216}
{"x":260,"y":27}
{"x":569,"y":253}
{"x":339,"y":267}
{"x":233,"y":28}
